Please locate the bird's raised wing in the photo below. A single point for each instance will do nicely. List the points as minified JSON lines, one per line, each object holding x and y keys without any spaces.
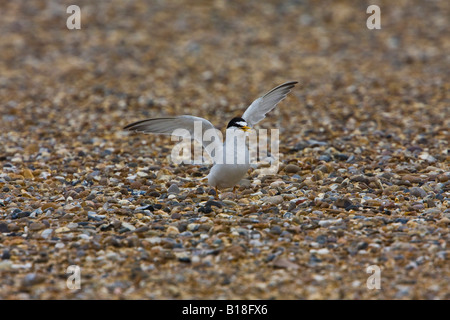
{"x":183,"y":126}
{"x":261,"y":106}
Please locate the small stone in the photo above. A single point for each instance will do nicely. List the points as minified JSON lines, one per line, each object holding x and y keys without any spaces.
{"x":154,"y":194}
{"x":227,"y":195}
{"x":176,"y":215}
{"x":174,"y":189}
{"x":444,"y":222}
{"x":325,"y":223}
{"x":432,"y":211}
{"x":205,"y":209}
{"x":13,"y":227}
{"x":292,"y":168}
{"x":4,"y":227}
{"x":341,"y":156}
{"x":418,"y":192}
{"x":32,"y":279}
{"x":72,"y":225}
{"x":62,"y":230}
{"x":171,"y":230}
{"x":35,"y":226}
{"x":411,"y":178}
{"x":274,"y":199}
{"x":288,"y":215}
{"x":245,"y":183}
{"x":284,"y":263}
{"x":193,"y":226}
{"x":16,"y":160}
{"x":46,"y":233}
{"x":128,"y":226}
{"x":211,"y":203}
{"x":142,"y":229}
{"x":325,"y":157}
{"x":275,"y":230}
{"x":343,"y":203}
{"x":6,"y":255}
{"x":323,"y":251}
{"x":28,"y":174}
{"x":5,"y":265}
{"x":116,"y":224}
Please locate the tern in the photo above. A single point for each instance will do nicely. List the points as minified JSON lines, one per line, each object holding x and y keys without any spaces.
{"x":223,"y":174}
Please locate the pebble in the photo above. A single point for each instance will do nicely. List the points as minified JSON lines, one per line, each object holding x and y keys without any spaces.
{"x":173,"y":189}
{"x":32,"y":279}
{"x":276,"y":230}
{"x":273,"y":199}
{"x":418,"y":192}
{"x":72,"y":225}
{"x":128,"y":226}
{"x":444,"y":222}
{"x":343,"y":203}
{"x":6,"y":265}
{"x":35,"y":226}
{"x":291,"y":168}
{"x":361,"y":177}
{"x":4,"y":227}
{"x":62,"y":230}
{"x":46,"y":233}
{"x":281,"y":262}
{"x":322,"y":251}
{"x":325,"y":223}
{"x":171,"y":230}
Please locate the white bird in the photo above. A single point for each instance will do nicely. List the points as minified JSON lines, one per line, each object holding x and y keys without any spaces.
{"x":223,"y":174}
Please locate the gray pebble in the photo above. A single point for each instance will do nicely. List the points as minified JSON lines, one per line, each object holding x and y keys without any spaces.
{"x":173,"y":189}
{"x":418,"y":192}
{"x":274,"y":199}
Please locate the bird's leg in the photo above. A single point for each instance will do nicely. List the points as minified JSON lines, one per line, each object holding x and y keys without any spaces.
{"x":217,"y":193}
{"x":234,"y":191}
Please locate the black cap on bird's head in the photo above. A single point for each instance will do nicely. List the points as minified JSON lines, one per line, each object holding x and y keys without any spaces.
{"x":239,"y":123}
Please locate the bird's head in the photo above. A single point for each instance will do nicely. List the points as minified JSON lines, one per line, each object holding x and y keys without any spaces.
{"x":238,"y":123}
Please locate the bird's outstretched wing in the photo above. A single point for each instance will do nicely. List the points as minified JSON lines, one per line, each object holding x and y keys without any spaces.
{"x":261,"y":106}
{"x":183,"y":126}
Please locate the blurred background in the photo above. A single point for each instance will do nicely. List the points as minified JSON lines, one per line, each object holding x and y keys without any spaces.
{"x":139,"y":59}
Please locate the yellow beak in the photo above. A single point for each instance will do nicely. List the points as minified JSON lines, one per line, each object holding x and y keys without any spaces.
{"x":245,"y":128}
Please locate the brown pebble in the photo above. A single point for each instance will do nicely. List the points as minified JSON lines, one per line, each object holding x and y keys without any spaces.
{"x":36,"y":226}
{"x":444,"y":222}
{"x":28,"y":174}
{"x":13,"y":227}
{"x":176,"y":216}
{"x":142,"y":229}
{"x":411,"y":178}
{"x":281,"y":262}
{"x":291,"y":168}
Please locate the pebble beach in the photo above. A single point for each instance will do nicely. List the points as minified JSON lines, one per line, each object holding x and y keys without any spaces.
{"x":363,"y":178}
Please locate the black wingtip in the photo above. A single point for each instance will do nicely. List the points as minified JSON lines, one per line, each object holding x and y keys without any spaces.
{"x":289,"y":85}
{"x":131,"y":125}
